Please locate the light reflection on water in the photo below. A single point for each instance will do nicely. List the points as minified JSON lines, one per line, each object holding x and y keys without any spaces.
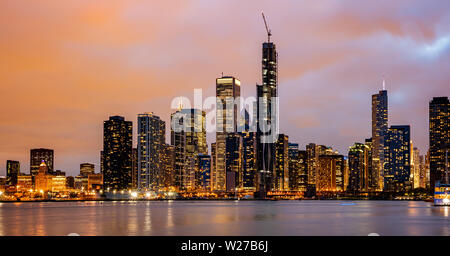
{"x":224,"y":218}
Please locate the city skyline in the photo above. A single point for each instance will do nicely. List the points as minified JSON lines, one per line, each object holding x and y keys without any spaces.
{"x":309,"y":114}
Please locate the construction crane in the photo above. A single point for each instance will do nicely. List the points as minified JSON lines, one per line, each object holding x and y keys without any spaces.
{"x":269,"y":33}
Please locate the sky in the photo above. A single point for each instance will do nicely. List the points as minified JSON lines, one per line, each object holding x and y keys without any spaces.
{"x":66,"y":66}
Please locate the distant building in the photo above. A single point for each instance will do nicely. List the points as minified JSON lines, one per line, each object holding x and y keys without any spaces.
{"x":415,"y":167}
{"x":70,"y":182}
{"x":151,"y":140}
{"x":24,"y":182}
{"x":203,"y":173}
{"x":86,"y":169}
{"x":439,"y":114}
{"x":188,"y":142}
{"x":249,"y":167}
{"x":12,"y":171}
{"x":134,"y":168}
{"x":379,"y":129}
{"x":281,"y":174}
{"x":233,"y":161}
{"x":228,"y":89}
{"x":330,"y":175}
{"x":95,"y":181}
{"x":38,"y":155}
{"x":43,"y":180}
{"x":358,"y":163}
{"x":168,"y":164}
{"x":117,"y":150}
{"x":267,"y":109}
{"x":397,"y":159}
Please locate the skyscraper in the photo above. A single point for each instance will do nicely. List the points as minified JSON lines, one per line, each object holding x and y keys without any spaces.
{"x":233,"y":161}
{"x":281,"y":174}
{"x":203,"y":173}
{"x":117,"y":150}
{"x":168,"y":164}
{"x":267,"y":116}
{"x":151,"y":140}
{"x":397,"y":159}
{"x":249,"y":161}
{"x":12,"y":172}
{"x":379,"y":129}
{"x":439,"y":137}
{"x":189,"y":140}
{"x":330,"y":173}
{"x":358,"y":162}
{"x":228,"y":89}
{"x":36,"y":157}
{"x":134,"y":168}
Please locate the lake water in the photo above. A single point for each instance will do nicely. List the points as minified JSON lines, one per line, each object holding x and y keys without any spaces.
{"x":225,"y":218}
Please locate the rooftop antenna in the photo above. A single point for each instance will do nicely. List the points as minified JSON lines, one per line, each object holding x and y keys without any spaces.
{"x":269,"y":33}
{"x":384,"y":85}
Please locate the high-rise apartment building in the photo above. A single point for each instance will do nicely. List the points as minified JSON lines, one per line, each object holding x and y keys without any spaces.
{"x":117,"y":151}
{"x":36,"y":157}
{"x":150,"y":142}
{"x":439,"y":114}
{"x":397,"y":159}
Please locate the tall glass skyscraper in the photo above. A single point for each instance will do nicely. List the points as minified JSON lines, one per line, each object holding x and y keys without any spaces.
{"x":38,"y":155}
{"x":439,"y":137}
{"x":151,"y":140}
{"x":188,"y":142}
{"x":117,"y":150}
{"x":379,"y":129}
{"x":266,"y":93}
{"x":228,"y":88}
{"x":397,"y":158}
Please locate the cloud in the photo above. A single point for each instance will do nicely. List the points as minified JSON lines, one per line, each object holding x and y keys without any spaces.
{"x":66,"y":67}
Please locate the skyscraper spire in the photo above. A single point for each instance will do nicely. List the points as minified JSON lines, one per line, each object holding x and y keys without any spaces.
{"x":384,"y":85}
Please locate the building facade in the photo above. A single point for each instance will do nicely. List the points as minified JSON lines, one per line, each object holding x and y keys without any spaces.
{"x":439,"y":132}
{"x":117,"y":150}
{"x":397,"y":159}
{"x":151,"y":140}
{"x":379,"y":129}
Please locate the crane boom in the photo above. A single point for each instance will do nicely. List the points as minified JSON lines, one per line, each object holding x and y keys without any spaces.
{"x":269,"y":33}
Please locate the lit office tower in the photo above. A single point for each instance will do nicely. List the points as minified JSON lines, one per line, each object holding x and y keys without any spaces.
{"x":330,"y":173}
{"x":439,"y":138}
{"x":134,"y":168}
{"x":415,"y":167}
{"x":228,"y":89}
{"x":36,"y":157}
{"x":203,"y":173}
{"x":372,"y":184}
{"x":86,"y":169}
{"x":267,"y":116}
{"x":379,"y":128}
{"x":311,"y":150}
{"x":358,"y":162}
{"x":188,"y":136}
{"x":397,"y":154}
{"x":150,"y":142}
{"x":294,"y":167}
{"x":168,"y":163}
{"x":233,"y":161}
{"x":12,"y":172}
{"x":281,"y":174}
{"x":117,"y":150}
{"x":249,"y":161}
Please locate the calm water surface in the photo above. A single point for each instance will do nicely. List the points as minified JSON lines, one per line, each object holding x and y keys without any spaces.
{"x":225,"y":218}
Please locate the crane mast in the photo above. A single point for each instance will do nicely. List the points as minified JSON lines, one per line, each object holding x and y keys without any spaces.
{"x":269,"y":33}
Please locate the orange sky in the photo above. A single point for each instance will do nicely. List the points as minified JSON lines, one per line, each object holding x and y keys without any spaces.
{"x":66,"y":66}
